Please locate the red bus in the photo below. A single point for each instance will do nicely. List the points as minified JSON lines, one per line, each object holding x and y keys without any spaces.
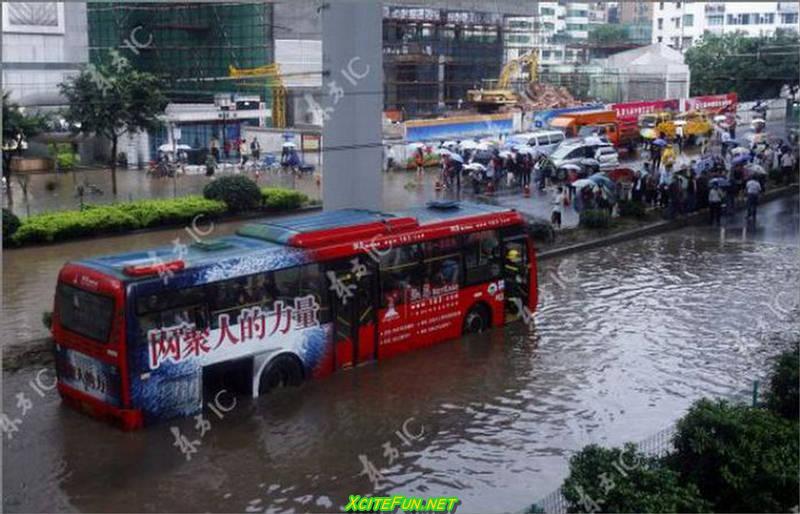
{"x":150,"y":335}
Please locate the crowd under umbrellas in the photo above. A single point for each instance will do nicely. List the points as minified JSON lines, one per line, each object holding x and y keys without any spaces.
{"x":669,"y":179}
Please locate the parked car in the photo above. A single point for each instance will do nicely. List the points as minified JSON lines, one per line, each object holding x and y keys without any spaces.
{"x":544,"y":141}
{"x":575,"y":151}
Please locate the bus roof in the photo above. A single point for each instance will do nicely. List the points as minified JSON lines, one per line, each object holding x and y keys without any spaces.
{"x":283,"y":235}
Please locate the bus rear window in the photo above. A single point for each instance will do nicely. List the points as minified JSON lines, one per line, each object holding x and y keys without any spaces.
{"x":87,"y":314}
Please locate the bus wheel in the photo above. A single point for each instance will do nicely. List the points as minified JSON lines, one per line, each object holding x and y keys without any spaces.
{"x":282,"y":371}
{"x":477,"y":320}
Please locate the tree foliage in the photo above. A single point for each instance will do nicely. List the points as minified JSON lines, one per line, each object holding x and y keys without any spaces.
{"x":238,"y":192}
{"x":112,"y":98}
{"x":753,"y":67}
{"x":626,"y":480}
{"x":18,"y":126}
{"x":742,"y":459}
{"x":783,"y":397}
{"x":607,"y":34}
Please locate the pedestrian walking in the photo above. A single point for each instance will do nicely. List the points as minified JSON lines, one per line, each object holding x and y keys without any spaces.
{"x":753,"y":189}
{"x":787,"y":164}
{"x":244,"y":152}
{"x":715,"y":204}
{"x":638,"y":188}
{"x":255,"y":149}
{"x":655,"y":156}
{"x":419,"y":161}
{"x":560,"y":200}
{"x":527,"y":169}
{"x":679,"y":138}
{"x":215,"y":148}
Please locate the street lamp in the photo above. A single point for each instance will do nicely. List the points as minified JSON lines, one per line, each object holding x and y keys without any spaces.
{"x":223,"y":103}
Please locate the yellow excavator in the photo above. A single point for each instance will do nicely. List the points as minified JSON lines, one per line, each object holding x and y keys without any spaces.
{"x":272,"y":72}
{"x":498,"y":93}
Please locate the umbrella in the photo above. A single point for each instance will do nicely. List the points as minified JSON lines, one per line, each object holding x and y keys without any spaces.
{"x":529,"y":150}
{"x":570,"y":167}
{"x":659,"y":142}
{"x":475,"y":166}
{"x":740,"y":150}
{"x":720,"y":181}
{"x":679,"y":123}
{"x":584,"y":182}
{"x":410,"y":145}
{"x":168,"y":147}
{"x":289,"y":144}
{"x":590,"y":163}
{"x":449,"y":144}
{"x":720,"y":117}
{"x":756,"y":169}
{"x":740,"y":159}
{"x":505,"y":154}
{"x":483,"y":145}
{"x":454,"y":156}
{"x":758,"y":120}
{"x":468,"y":145}
{"x":602,"y":180}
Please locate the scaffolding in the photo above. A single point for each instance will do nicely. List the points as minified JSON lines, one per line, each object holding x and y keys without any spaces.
{"x":190,"y":45}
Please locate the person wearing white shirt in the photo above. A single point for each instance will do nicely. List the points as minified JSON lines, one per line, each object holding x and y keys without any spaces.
{"x":753,"y":188}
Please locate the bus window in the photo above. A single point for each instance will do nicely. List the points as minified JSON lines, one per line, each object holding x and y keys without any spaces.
{"x":442,"y":264}
{"x":482,"y":257}
{"x":400,"y":275}
{"x":231,"y":296}
{"x":313,"y":282}
{"x":85,"y":313}
{"x":172,"y":308}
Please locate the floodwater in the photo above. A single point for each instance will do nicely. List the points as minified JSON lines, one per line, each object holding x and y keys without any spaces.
{"x":625,"y":339}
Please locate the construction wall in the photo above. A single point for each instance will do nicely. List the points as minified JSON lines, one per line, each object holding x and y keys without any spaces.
{"x":191,"y":44}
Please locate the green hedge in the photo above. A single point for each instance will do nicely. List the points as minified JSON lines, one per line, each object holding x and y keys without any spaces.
{"x":783,"y":397}
{"x":104,"y":219}
{"x":275,"y":198}
{"x":595,"y":218}
{"x":238,"y":192}
{"x":631,"y":209}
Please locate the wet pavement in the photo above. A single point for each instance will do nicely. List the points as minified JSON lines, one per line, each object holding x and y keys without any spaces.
{"x":626,"y":337}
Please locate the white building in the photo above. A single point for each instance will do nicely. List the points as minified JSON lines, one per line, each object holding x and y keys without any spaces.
{"x":560,"y":23}
{"x":519,"y":36}
{"x":646,"y":73}
{"x":43,"y":44}
{"x":682,"y":24}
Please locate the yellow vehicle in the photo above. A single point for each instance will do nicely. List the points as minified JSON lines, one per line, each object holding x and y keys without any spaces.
{"x":272,"y":74}
{"x":649,"y":122}
{"x":499,"y":93}
{"x":694,"y":124}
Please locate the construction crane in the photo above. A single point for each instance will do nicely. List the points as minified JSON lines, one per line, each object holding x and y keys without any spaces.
{"x":272,"y":72}
{"x":499,"y":93}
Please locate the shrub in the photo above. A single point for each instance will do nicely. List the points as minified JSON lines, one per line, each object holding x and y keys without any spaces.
{"x":742,"y":459}
{"x":630,"y":209}
{"x":100,"y":219}
{"x":626,"y":480}
{"x":237,"y":191}
{"x":783,"y":397}
{"x":595,"y":218}
{"x":10,"y":224}
{"x":65,"y":157}
{"x":281,"y":199}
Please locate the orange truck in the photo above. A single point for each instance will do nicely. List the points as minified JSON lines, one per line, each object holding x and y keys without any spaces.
{"x":603,"y":123}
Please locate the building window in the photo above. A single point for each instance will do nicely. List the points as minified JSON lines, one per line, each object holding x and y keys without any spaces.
{"x":787,"y":18}
{"x":660,"y":23}
{"x":660,"y":6}
{"x":715,"y":20}
{"x":547,"y":11}
{"x":769,"y":18}
{"x":686,"y":42}
{"x":677,"y":22}
{"x":660,"y":39}
{"x":688,"y":20}
{"x":677,"y":5}
{"x":673,"y":42}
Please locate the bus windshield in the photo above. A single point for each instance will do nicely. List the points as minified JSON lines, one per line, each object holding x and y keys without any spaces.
{"x":87,"y":314}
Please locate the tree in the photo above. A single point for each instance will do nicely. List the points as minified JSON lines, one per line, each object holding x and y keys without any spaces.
{"x":607,"y":34}
{"x":753,"y":67}
{"x":18,"y":127}
{"x":111,"y":99}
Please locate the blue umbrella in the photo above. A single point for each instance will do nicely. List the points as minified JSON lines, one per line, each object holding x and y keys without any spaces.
{"x":741,"y":159}
{"x":659,"y":142}
{"x":602,"y":180}
{"x":720,"y":181}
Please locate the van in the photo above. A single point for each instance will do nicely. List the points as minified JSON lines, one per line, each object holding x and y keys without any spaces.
{"x":543,"y":140}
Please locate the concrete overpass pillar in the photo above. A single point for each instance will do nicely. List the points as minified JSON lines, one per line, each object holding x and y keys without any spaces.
{"x":352,"y":88}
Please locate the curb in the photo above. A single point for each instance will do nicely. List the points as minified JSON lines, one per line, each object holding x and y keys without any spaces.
{"x":658,"y":227}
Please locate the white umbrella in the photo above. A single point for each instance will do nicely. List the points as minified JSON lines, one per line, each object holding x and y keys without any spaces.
{"x":505,"y":154}
{"x":720,"y":117}
{"x":469,"y":144}
{"x":740,"y":150}
{"x":452,"y":155}
{"x":484,"y":146}
{"x":757,"y":121}
{"x":527,"y":150}
{"x":168,"y":147}
{"x":289,"y":144}
{"x":449,"y":145}
{"x":679,"y":123}
{"x":475,"y":166}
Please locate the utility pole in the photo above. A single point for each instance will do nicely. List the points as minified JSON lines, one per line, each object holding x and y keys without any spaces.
{"x":352,"y":105}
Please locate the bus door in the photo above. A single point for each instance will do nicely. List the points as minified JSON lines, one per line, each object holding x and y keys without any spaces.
{"x":516,"y":275}
{"x":353,"y":287}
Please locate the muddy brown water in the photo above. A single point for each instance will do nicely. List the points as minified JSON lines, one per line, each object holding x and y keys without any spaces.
{"x":625,"y":339}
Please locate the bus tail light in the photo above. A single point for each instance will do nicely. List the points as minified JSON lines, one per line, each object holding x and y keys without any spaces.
{"x":153,"y":269}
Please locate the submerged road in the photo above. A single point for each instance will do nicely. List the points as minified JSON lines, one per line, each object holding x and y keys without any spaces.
{"x":626,"y":337}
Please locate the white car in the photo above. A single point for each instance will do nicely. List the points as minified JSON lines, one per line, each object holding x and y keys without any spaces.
{"x":573,"y":152}
{"x":545,"y":141}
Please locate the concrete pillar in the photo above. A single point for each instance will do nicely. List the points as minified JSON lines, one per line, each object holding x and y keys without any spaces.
{"x":352,"y":105}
